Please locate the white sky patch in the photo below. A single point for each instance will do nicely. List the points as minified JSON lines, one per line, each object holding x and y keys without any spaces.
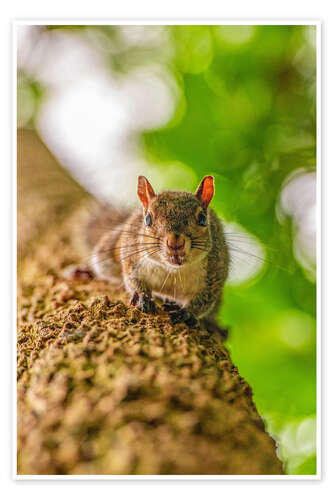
{"x":55,"y":58}
{"x":90,"y":119}
{"x":246,"y":252}
{"x":298,"y":441}
{"x":298,"y":200}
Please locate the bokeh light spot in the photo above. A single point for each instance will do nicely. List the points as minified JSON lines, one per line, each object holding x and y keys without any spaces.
{"x":296,"y":329}
{"x":235,"y":35}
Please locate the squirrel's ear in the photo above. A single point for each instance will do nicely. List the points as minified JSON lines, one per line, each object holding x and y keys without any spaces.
{"x":145,"y":191}
{"x":205,"y":191}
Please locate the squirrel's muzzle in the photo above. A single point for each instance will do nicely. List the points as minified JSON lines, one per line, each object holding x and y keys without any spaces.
{"x":176,"y":246}
{"x":175,"y":242}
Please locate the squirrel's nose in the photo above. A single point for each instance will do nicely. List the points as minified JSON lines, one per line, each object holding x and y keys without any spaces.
{"x":175,"y":241}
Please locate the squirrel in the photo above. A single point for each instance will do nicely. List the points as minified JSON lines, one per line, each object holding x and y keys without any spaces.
{"x":171,"y":248}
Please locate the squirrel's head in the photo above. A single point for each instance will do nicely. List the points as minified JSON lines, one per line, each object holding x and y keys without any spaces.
{"x":179,"y":221}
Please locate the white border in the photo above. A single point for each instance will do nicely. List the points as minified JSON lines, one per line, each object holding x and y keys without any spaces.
{"x":319,"y":360}
{"x":14,"y":241}
{"x":166,"y":22}
{"x":319,"y":357}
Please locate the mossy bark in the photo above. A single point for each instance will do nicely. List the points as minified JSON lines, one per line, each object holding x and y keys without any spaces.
{"x":102,"y":387}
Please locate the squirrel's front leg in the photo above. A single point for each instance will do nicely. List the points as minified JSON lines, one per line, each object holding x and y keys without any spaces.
{"x":180,"y":314}
{"x":140,"y":295}
{"x":199,"y":306}
{"x":144,"y":302}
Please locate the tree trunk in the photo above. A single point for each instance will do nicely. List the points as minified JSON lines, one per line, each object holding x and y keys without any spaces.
{"x":102,"y":387}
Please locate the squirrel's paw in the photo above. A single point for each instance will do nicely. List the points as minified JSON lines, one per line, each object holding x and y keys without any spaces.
{"x":170,"y":306}
{"x":183,"y":316}
{"x":143,"y":302}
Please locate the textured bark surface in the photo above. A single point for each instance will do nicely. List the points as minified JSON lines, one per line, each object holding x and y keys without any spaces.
{"x":104,"y":388}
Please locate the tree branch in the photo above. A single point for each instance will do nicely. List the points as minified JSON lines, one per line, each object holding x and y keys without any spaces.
{"x":104,"y":388}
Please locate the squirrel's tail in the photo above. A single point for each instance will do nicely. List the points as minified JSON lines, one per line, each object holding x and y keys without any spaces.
{"x":102,"y":218}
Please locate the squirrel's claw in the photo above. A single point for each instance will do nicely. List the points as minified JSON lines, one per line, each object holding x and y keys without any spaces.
{"x":169,"y":306}
{"x":143,"y":302}
{"x":180,"y":315}
{"x":183,"y":316}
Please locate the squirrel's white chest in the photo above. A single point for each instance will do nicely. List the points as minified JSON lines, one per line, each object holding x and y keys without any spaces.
{"x":180,"y":285}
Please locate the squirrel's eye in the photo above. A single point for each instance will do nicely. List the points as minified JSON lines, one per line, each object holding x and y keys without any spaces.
{"x":148,"y":219}
{"x":202,"y":219}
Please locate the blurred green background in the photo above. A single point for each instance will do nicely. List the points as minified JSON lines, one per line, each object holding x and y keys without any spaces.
{"x":244,"y":110}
